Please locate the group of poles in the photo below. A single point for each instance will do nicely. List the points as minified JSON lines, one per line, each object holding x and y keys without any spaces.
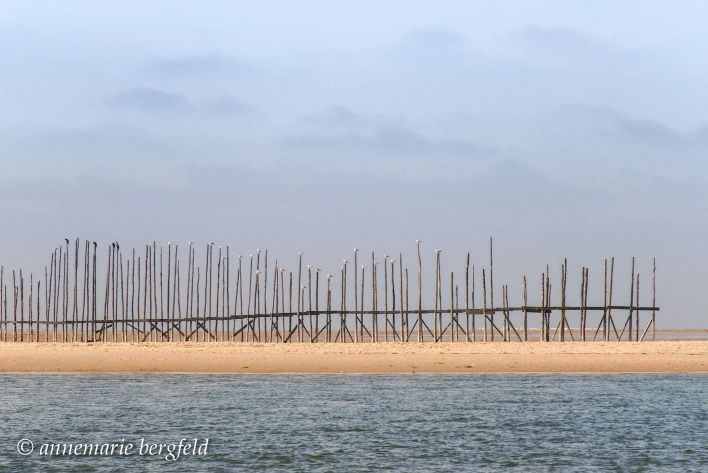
{"x":152,"y":297}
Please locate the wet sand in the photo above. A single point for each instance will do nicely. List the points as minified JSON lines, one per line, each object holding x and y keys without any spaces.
{"x":534,"y":357}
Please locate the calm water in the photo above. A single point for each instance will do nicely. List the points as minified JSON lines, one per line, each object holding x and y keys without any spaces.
{"x":562,"y":423}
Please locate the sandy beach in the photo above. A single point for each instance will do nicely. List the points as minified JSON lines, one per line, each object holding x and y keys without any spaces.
{"x":660,"y":356}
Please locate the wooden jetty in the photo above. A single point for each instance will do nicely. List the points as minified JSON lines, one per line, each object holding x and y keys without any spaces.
{"x":159,"y":294}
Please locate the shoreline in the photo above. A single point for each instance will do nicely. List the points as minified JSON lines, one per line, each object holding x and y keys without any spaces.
{"x":362,"y":358}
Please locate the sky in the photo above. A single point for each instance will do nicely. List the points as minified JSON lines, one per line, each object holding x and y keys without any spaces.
{"x":567,"y":129}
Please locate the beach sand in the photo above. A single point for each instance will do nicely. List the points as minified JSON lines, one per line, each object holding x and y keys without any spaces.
{"x":660,"y":356}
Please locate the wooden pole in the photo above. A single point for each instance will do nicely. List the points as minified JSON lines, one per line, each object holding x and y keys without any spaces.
{"x":637,"y":312}
{"x":526,"y":312}
{"x":404,"y":322}
{"x":609,"y":308}
{"x":474,"y":316}
{"x":563,"y":279}
{"x":606,"y":322}
{"x":356,"y":296}
{"x":420,"y":294}
{"x":631,"y":302}
{"x":484,"y":302}
{"x":491,"y":283}
{"x":467,"y":298}
{"x":653,"y":301}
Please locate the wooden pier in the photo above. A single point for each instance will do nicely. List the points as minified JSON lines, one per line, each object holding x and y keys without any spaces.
{"x":159,"y":294}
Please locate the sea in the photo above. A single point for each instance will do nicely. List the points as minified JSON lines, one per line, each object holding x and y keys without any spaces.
{"x":350,"y":423}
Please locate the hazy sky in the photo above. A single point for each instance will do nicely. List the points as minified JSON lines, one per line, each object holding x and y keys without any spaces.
{"x":563,"y":129}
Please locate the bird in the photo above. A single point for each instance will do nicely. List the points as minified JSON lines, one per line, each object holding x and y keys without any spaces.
{"x":67,"y":240}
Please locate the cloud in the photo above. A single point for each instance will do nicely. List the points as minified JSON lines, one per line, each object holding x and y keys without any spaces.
{"x":432,"y":39}
{"x":199,"y":64}
{"x":608,"y":123}
{"x":389,"y":141}
{"x":336,"y":116}
{"x":226,"y":105}
{"x":564,"y":41}
{"x":150,"y":99}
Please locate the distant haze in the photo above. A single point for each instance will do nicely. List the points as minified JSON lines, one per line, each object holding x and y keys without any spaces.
{"x":563,"y":129}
